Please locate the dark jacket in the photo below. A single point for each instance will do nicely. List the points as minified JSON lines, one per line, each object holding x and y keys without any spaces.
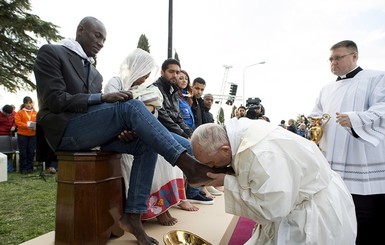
{"x":197,"y":109}
{"x":169,"y":115}
{"x":207,"y":117}
{"x":292,"y":128}
{"x":62,"y":89}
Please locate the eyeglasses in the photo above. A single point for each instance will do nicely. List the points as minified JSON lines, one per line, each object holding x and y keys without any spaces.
{"x":337,"y":58}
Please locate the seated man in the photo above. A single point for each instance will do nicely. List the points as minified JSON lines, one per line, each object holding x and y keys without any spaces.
{"x":282,"y":182}
{"x":74,"y":115}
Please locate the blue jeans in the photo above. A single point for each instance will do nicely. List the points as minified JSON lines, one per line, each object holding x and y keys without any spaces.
{"x":101,"y":125}
{"x":190,"y":191}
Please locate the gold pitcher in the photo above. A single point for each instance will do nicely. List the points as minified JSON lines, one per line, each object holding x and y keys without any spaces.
{"x":316,"y":130}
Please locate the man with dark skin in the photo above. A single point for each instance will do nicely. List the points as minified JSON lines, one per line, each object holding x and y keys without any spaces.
{"x":208,"y":100}
{"x":73,"y":109}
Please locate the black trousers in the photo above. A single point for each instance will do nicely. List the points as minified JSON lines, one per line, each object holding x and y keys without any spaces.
{"x":370,"y":212}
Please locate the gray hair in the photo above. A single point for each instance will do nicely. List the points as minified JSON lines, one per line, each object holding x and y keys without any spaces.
{"x":210,"y":137}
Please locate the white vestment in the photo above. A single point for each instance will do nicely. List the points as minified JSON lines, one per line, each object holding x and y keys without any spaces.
{"x":284,"y":183}
{"x":359,"y":161}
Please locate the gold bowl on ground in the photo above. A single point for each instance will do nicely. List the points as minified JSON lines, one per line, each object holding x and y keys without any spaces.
{"x":181,"y":237}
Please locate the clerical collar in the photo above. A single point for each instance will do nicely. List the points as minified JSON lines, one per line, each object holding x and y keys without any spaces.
{"x":350,"y":74}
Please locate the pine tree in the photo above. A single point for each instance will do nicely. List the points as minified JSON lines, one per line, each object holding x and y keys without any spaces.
{"x":19,"y":35}
{"x":143,"y":43}
{"x":176,"y":56}
{"x":233,"y":111}
{"x":221,"y":116}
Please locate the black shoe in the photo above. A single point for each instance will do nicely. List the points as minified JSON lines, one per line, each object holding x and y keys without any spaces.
{"x":200,"y":199}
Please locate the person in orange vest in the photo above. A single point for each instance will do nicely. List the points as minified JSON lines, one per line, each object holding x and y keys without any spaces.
{"x":25,"y":120}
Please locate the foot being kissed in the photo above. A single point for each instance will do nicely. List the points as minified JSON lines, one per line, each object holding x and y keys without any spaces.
{"x":196,"y":172}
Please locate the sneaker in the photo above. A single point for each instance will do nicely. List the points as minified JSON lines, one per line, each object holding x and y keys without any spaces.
{"x":214,"y":191}
{"x":52,"y":170}
{"x":200,"y":199}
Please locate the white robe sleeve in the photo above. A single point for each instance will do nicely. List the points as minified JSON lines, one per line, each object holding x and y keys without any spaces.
{"x":369,"y":124}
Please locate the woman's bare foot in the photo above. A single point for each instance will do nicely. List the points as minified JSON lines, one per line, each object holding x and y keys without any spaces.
{"x":186,"y":205}
{"x":131,"y":223}
{"x":166,"y":219}
{"x":208,"y":194}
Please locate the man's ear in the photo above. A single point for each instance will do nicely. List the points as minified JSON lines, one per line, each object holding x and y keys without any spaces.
{"x":226,"y":149}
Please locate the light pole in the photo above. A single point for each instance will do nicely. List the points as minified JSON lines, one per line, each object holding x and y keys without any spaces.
{"x":224,"y":82}
{"x":227,"y":68}
{"x":244,"y":70}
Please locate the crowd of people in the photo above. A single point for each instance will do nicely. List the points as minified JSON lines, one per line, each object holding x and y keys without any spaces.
{"x":21,"y":124}
{"x":296,"y":191}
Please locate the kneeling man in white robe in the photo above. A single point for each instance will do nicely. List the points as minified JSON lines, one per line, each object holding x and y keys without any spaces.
{"x":282,"y":181}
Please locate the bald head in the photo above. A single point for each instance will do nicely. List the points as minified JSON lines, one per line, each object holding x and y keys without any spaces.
{"x":91,"y":35}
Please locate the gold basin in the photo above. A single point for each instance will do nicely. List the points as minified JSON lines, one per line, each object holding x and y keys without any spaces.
{"x":181,"y":237}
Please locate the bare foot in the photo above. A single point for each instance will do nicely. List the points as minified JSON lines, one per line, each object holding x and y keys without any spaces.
{"x":208,"y":194}
{"x":186,"y":205}
{"x":131,"y":223}
{"x":166,"y":219}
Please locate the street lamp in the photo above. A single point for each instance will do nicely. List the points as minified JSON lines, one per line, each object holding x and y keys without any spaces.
{"x":244,"y":70}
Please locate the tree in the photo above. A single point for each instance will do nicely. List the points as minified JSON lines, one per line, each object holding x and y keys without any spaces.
{"x":19,"y":33}
{"x":233,"y":111}
{"x":221,"y":116}
{"x":176,"y":56}
{"x":143,"y":43}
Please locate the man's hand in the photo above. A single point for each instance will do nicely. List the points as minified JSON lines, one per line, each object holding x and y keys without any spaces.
{"x":218,"y":179}
{"x":343,"y":120}
{"x":127,"y":136}
{"x":150,"y":108}
{"x":117,"y":96}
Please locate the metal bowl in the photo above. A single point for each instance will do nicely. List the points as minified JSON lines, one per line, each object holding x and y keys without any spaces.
{"x":181,"y":237}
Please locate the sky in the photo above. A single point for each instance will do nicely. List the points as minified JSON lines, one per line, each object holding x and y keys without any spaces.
{"x":292,"y":37}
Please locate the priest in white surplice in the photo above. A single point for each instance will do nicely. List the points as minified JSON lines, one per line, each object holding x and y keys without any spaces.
{"x":282,"y":181}
{"x":354,"y":139}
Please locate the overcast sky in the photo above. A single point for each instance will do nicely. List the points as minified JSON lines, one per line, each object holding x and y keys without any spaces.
{"x":293,"y":37}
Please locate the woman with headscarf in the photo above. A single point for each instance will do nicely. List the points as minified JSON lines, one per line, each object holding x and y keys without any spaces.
{"x":168,"y":184}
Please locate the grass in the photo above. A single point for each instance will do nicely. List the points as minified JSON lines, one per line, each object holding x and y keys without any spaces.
{"x":27,"y":207}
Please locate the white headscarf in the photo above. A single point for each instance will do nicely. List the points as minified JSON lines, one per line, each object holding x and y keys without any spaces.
{"x":136,"y":65}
